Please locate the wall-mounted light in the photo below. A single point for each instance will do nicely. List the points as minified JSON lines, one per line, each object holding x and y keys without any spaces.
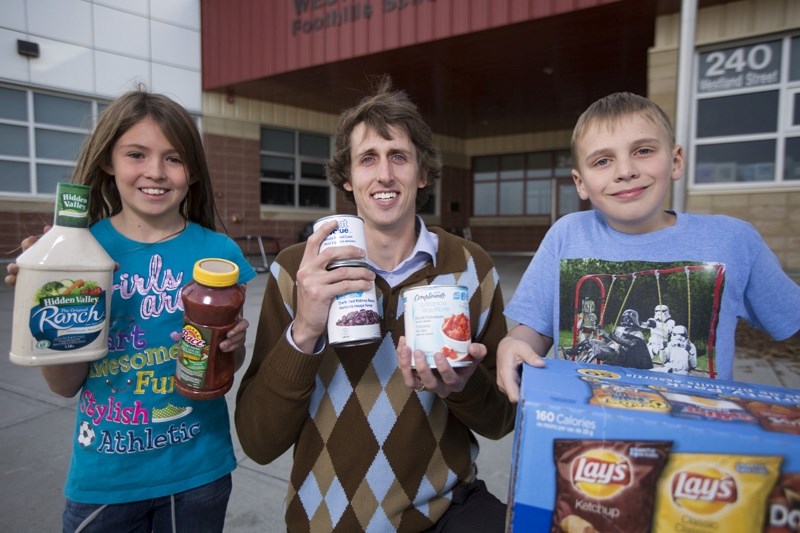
{"x":27,"y":48}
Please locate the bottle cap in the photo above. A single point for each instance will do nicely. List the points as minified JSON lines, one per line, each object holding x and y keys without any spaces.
{"x":214,"y":272}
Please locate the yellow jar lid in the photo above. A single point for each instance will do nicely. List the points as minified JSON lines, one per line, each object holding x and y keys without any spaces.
{"x":214,"y":272}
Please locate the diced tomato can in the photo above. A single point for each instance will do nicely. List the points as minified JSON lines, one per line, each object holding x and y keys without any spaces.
{"x":436,"y":319}
{"x":354,"y":319}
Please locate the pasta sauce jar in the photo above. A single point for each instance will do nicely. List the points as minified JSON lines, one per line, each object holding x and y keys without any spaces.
{"x":436,"y":319}
{"x":212,"y":304}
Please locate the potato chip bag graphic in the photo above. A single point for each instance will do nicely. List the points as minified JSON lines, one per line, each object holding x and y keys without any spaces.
{"x":775,"y":417}
{"x":714,"y":492}
{"x":783,"y":513}
{"x":575,"y":524}
{"x":606,"y":485}
{"x":706,"y":408}
{"x":623,"y":396}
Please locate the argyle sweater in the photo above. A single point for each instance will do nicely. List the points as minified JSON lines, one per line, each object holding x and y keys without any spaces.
{"x":370,"y":454}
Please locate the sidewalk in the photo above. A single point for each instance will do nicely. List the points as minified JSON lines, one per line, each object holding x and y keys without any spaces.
{"x":35,"y":429}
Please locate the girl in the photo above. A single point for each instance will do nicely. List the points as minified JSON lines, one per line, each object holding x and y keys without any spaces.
{"x":158,"y":461}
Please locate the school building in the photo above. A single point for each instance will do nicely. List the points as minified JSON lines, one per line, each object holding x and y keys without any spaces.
{"x":501,"y":82}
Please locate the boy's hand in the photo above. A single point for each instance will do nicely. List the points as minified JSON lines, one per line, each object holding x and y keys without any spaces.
{"x":511,"y":353}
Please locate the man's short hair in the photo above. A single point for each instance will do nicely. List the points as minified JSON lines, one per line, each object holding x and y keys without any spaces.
{"x":381,"y":110}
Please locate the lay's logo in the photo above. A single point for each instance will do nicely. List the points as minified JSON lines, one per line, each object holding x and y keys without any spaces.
{"x":704,"y":491}
{"x":601,"y":473}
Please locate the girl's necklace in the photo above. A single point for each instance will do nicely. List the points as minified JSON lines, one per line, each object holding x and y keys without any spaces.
{"x":162,"y":239}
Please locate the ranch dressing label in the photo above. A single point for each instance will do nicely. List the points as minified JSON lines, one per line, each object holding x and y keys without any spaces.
{"x":67,"y":314}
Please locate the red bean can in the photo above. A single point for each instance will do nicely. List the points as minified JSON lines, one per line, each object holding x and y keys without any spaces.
{"x":354,"y":319}
{"x":436,"y":319}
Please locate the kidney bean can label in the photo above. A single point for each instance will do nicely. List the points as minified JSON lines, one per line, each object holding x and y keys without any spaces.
{"x":354,"y":319}
{"x":437,"y":320}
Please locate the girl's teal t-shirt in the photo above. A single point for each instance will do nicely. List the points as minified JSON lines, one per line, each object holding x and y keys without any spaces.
{"x":135,"y":436}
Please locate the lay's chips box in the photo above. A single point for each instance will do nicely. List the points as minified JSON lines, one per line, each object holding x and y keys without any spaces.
{"x":601,"y":449}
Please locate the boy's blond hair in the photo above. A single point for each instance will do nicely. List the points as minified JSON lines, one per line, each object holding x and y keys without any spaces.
{"x":610,"y":109}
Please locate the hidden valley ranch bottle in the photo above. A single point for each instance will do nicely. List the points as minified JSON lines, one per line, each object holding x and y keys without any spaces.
{"x":62,"y":295}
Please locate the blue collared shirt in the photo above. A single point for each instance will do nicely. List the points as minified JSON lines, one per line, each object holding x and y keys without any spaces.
{"x":424,"y":251}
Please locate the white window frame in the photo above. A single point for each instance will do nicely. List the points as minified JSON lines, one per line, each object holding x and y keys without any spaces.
{"x":297,"y":179}
{"x":553,"y":179}
{"x":786,"y":90}
{"x":32,"y":160}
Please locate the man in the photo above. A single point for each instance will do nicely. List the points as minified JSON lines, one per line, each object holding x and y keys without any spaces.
{"x":378,"y":445}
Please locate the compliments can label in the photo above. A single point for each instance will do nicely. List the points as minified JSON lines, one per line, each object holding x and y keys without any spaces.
{"x":437,"y":320}
{"x":349,"y":233}
{"x":354,"y":319}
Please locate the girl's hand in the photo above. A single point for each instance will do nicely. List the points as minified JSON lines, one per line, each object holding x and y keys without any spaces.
{"x":27,"y":242}
{"x":11,"y":277}
{"x":236,"y":336}
{"x":234,"y":342}
{"x":12,"y":268}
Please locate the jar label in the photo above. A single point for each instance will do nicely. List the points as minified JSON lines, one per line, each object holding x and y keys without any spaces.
{"x":193,"y":361}
{"x":68,"y":314}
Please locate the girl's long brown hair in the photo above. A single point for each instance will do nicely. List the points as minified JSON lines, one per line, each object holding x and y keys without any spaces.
{"x":180,"y":130}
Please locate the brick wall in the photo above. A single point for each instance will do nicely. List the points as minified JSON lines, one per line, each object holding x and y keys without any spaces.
{"x":234,"y":165}
{"x":775,"y":215}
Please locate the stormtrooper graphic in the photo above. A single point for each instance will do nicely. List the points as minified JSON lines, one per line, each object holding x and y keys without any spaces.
{"x":660,"y":326}
{"x":680,"y":355}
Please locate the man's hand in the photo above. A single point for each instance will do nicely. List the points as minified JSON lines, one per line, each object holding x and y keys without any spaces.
{"x":443,"y":379}
{"x":317,"y":286}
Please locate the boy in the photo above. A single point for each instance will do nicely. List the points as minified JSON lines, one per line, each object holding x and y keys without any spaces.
{"x":629,"y":253}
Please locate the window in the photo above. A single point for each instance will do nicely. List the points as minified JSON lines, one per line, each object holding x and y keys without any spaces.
{"x":40,"y":137}
{"x":536,"y":183}
{"x":293,"y":169}
{"x":747,"y":103}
